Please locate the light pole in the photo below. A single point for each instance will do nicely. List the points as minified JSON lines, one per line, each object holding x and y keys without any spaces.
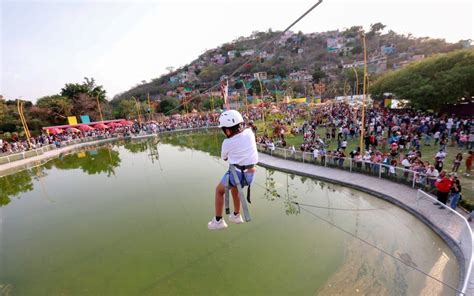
{"x":362,"y":129}
{"x":357,"y":81}
{"x":100,"y":110}
{"x":23,"y":122}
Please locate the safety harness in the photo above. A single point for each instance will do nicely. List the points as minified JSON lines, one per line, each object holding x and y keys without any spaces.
{"x":240,"y":184}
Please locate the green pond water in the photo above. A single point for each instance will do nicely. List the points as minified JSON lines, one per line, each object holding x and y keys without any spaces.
{"x":130,"y":218}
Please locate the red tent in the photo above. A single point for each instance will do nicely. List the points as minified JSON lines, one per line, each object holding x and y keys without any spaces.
{"x":126,"y":123}
{"x":85,"y":128}
{"x":54,"y":131}
{"x":100,"y":126}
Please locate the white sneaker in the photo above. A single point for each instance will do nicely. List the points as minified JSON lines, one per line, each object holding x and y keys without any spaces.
{"x":214,"y":224}
{"x":236,"y":219}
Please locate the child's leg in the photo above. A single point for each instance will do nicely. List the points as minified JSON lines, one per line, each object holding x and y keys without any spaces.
{"x":219,"y":199}
{"x":236,"y":199}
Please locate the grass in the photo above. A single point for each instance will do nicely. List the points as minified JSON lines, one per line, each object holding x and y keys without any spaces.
{"x":427,"y":153}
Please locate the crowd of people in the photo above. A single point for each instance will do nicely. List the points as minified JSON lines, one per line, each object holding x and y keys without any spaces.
{"x":392,"y":139}
{"x":126,"y":129}
{"x":392,"y":143}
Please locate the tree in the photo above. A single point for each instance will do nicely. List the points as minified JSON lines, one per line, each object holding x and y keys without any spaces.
{"x":256,"y":87}
{"x":377,"y":27}
{"x":88,"y":87}
{"x":432,"y":82}
{"x":3,"y":109}
{"x":238,"y":85}
{"x":318,"y":74}
{"x":169,"y":106}
{"x":57,"y":108}
{"x":126,"y":109}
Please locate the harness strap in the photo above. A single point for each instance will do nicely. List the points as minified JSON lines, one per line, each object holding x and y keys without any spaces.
{"x":226,"y":194}
{"x":241,"y":194}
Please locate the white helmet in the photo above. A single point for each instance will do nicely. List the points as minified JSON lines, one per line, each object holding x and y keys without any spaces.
{"x":230,"y":118}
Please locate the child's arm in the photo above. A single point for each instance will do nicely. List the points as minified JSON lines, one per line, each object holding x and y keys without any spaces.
{"x":224,"y":152}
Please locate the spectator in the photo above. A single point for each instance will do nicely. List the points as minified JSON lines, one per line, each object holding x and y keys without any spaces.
{"x":457,"y":162}
{"x":455,"y":192}
{"x":469,"y":159}
{"x":443,"y":186}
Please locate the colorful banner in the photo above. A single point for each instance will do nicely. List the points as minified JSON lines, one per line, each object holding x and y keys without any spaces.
{"x":298,"y":100}
{"x":387,"y":103}
{"x":72,"y":120}
{"x":85,"y":119}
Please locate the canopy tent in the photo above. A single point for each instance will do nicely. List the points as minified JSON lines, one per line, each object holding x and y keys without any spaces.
{"x":73,"y":130}
{"x":85,"y":128}
{"x":100,"y":126}
{"x":126,"y":123}
{"x":54,"y":131}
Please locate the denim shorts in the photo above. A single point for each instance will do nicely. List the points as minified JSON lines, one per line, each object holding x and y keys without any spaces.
{"x":243,"y":182}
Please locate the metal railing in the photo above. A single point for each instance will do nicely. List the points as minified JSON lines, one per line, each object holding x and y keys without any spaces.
{"x":454,"y":224}
{"x":383,"y":171}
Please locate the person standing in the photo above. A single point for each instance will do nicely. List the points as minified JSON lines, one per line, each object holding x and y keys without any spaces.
{"x":443,"y":186}
{"x":457,"y":162}
{"x":469,"y":159}
{"x":455,"y":192}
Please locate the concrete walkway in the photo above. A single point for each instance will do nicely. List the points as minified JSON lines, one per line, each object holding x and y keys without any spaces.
{"x":446,"y":223}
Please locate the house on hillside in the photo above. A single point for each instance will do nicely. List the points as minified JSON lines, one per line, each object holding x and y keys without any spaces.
{"x":248,"y":52}
{"x":284,"y":38}
{"x":260,"y":75}
{"x":417,"y":57}
{"x":347,"y":50}
{"x":334,"y":44}
{"x":301,"y":75}
{"x":387,"y":49}
{"x":218,"y":59}
{"x":400,"y":64}
{"x":232,"y":54}
{"x":264,"y":55}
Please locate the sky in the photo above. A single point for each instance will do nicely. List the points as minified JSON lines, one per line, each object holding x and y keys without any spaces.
{"x":46,"y":44}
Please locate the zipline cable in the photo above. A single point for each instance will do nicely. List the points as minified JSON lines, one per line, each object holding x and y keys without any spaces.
{"x":382,"y":250}
{"x":257,"y":51}
{"x":301,"y":207}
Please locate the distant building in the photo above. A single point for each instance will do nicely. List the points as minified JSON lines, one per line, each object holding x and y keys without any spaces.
{"x":218,"y":59}
{"x":400,"y":65}
{"x":301,"y":75}
{"x":417,"y":57}
{"x":232,"y":54}
{"x":248,"y":52}
{"x":284,"y":38}
{"x":466,"y":43}
{"x":265,"y":55}
{"x":387,"y":49}
{"x":347,"y":50}
{"x":260,"y":75}
{"x":334,"y":44}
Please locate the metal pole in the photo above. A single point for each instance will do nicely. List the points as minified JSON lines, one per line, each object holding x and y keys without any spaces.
{"x":100,"y":110}
{"x":363,"y":97}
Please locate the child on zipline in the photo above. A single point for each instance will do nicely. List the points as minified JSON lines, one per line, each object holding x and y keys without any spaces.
{"x":240,"y":150}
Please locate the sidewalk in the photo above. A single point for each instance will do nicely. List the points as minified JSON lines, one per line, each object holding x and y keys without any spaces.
{"x":398,"y":194}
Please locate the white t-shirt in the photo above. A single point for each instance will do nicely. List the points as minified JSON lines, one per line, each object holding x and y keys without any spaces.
{"x":241,"y":149}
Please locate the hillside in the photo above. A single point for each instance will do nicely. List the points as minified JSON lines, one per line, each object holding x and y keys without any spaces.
{"x":295,"y":61}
